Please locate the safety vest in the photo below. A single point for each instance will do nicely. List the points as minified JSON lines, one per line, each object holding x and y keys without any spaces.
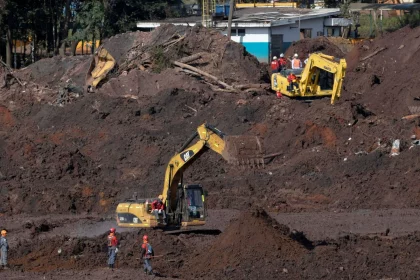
{"x":296,"y":63}
{"x":274,"y":65}
{"x":282,"y":61}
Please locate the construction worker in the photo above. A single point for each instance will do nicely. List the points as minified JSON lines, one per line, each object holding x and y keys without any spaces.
{"x":296,"y":63}
{"x":147,"y":254}
{"x":112,"y":248}
{"x":282,"y":62}
{"x":4,"y":248}
{"x":274,"y":65}
{"x":158,"y":208}
{"x":292,"y":80}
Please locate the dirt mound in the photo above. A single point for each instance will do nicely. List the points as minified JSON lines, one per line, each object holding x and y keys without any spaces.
{"x":384,"y":82}
{"x":140,"y":83}
{"x":254,"y":240}
{"x":319,"y":44}
{"x":220,"y":57}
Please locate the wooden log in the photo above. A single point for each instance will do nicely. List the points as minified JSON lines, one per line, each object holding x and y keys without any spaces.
{"x":373,"y":54}
{"x":205,"y":74}
{"x":253,"y":86}
{"x":410,"y":117}
{"x":190,"y":58}
{"x":11,"y":72}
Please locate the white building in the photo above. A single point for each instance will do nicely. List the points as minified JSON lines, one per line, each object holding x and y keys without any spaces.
{"x":266,"y":32}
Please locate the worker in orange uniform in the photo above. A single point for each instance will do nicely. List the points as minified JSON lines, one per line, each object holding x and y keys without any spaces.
{"x":112,"y":248}
{"x":158,"y":208}
{"x":275,"y":65}
{"x":4,"y":248}
{"x":296,"y":63}
{"x":147,"y":254}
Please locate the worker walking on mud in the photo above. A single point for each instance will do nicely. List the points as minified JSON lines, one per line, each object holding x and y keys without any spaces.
{"x":147,"y":254}
{"x":112,"y":248}
{"x":296,"y":63}
{"x":4,"y":248}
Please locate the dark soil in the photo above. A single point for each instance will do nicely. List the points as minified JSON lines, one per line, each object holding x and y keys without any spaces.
{"x":98,"y":149}
{"x":307,"y":46}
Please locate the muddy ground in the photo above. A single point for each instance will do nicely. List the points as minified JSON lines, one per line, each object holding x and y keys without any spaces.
{"x":343,"y":207}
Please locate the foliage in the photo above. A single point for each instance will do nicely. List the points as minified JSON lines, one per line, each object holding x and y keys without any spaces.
{"x":50,"y":24}
{"x":161,"y":61}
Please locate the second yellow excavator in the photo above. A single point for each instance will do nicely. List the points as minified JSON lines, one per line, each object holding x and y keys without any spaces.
{"x":322,"y":75}
{"x":185,"y":204}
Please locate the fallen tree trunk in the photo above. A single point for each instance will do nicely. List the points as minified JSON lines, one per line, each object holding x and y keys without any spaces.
{"x":191,"y":58}
{"x":410,"y":117}
{"x":11,"y":72}
{"x":205,"y":74}
{"x":253,"y":86}
{"x":374,"y":53}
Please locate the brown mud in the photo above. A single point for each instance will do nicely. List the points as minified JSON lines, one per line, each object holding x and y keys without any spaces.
{"x":84,"y":156}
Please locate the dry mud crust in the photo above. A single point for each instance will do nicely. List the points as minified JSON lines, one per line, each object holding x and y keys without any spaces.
{"x":306,"y":46}
{"x":386,"y":83}
{"x":52,"y":72}
{"x":252,"y":246}
{"x":119,"y":45}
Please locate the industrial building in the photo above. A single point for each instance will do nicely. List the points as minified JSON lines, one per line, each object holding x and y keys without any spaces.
{"x":265,"y":32}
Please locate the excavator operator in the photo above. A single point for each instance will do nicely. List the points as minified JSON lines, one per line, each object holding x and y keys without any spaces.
{"x":292,"y":79}
{"x":158,"y":208}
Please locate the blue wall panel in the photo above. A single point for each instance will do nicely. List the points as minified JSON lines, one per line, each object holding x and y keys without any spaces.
{"x":259,"y":50}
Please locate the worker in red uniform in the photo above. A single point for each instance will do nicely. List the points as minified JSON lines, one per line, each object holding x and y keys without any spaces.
{"x":282,"y":62}
{"x":292,"y":80}
{"x":158,"y":208}
{"x":147,"y":254}
{"x":275,"y":65}
{"x":112,"y":248}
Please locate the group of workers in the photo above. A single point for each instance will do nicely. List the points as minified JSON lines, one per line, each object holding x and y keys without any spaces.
{"x":158,"y":208}
{"x":277,"y":65}
{"x":146,"y":252}
{"x":146,"y":249}
{"x":280,"y":65}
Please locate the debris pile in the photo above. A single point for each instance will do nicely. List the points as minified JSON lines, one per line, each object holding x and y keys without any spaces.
{"x":320,"y":44}
{"x":380,"y":74}
{"x":252,"y":241}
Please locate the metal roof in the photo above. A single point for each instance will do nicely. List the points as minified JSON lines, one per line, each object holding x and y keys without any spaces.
{"x":373,"y":6}
{"x":254,"y":17}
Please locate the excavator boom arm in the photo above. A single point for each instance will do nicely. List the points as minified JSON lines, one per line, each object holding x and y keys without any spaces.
{"x":209,"y":137}
{"x":329,"y":64}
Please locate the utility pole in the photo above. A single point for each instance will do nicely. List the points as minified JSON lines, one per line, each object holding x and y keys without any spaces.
{"x":232,"y":4}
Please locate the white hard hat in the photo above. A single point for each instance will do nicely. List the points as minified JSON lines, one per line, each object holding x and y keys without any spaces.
{"x":296,"y":55}
{"x":275,"y":57}
{"x":281,"y":55}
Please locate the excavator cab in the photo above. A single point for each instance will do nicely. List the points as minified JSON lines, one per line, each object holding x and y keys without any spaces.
{"x":194,"y":210}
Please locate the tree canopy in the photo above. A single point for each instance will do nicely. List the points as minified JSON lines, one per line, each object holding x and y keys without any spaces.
{"x":53,"y":25}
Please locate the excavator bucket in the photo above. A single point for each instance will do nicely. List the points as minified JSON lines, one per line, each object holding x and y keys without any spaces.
{"x":242,"y":150}
{"x":102,"y":63}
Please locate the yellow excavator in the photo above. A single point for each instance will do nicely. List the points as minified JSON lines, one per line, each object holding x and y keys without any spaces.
{"x":322,"y":75}
{"x":185,"y":204}
{"x":101,"y":64}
